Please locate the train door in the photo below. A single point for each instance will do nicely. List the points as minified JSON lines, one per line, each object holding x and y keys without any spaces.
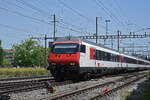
{"x":121,"y":60}
{"x":93,"y":57}
{"x":84,"y":56}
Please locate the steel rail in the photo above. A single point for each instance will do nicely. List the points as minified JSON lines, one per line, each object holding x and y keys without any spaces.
{"x":103,"y":95}
{"x":25,"y":86}
{"x":76,"y":92}
{"x":22,"y":84}
{"x":23,"y":78}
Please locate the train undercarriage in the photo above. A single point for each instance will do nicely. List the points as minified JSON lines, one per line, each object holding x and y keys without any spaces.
{"x":61,"y":73}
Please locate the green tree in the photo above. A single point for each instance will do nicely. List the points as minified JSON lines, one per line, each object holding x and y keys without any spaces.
{"x":6,"y":63}
{"x":29,"y":53}
{"x":1,"y":54}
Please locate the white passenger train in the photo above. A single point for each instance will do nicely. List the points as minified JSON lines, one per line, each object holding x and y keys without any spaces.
{"x":75,"y":58}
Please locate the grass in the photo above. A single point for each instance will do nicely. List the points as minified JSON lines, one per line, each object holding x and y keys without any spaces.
{"x":146,"y":94}
{"x":124,"y":95}
{"x":143,"y":96}
{"x":22,"y":72}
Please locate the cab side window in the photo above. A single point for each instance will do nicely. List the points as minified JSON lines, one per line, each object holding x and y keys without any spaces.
{"x":83,"y":49}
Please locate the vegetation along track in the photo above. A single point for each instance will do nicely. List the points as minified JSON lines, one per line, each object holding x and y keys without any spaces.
{"x":94,"y":91}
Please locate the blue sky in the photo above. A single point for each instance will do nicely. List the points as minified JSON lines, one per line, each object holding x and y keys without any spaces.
{"x":21,"y":19}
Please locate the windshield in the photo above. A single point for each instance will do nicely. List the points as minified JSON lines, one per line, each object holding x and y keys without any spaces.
{"x":65,"y":48}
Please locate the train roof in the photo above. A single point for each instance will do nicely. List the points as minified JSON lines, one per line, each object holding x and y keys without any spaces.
{"x":71,"y":38}
{"x":84,"y":40}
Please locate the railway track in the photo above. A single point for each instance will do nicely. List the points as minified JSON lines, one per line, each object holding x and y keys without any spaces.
{"x":24,"y":78}
{"x":22,"y":84}
{"x":26,"y":84}
{"x":105,"y":95}
{"x":83,"y":94}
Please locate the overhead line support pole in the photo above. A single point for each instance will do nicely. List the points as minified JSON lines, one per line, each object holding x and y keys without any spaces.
{"x":45,"y":56}
{"x":96,"y":28}
{"x":118,"y":39}
{"x":54,"y":35}
{"x":106,"y":29}
{"x":45,"y":48}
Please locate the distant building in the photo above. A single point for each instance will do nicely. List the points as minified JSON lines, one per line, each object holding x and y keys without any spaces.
{"x":9,"y":53}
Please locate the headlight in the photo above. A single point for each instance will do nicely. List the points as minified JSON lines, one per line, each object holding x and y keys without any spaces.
{"x":73,"y":63}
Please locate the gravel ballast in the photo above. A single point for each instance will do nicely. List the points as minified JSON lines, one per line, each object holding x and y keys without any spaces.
{"x":41,"y":94}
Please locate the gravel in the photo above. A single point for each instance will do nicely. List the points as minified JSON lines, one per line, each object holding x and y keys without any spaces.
{"x":41,"y":94}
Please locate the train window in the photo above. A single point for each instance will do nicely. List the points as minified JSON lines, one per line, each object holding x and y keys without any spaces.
{"x":98,"y":56}
{"x":102,"y":55}
{"x":113,"y":57}
{"x":108,"y":56}
{"x":135,"y":61}
{"x":83,"y":49}
{"x":65,"y":48}
{"x":141,"y":62}
{"x":50,"y":44}
{"x":118,"y":58}
{"x":105,"y":56}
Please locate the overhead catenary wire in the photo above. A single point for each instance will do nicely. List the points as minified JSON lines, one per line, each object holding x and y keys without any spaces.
{"x":29,"y":17}
{"x":21,"y":7}
{"x":73,"y":10}
{"x":33,"y":7}
{"x":44,"y":4}
{"x":116,"y":11}
{"x":18,"y":29}
{"x":61,"y":21}
{"x":43,"y":21}
{"x":75,"y":29}
{"x":21,"y":14}
{"x":105,"y":11}
{"x":124,"y":17}
{"x":98,"y":3}
{"x":119,"y":8}
{"x":70,"y":25}
{"x":78,"y":13}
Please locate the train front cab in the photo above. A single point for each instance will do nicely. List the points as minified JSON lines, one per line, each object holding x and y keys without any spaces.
{"x":64,"y":60}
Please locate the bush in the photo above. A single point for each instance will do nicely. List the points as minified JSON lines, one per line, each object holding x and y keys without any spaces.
{"x":22,"y":72}
{"x":6,"y":63}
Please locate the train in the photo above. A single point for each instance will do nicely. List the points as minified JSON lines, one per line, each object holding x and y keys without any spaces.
{"x":76,"y":59}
